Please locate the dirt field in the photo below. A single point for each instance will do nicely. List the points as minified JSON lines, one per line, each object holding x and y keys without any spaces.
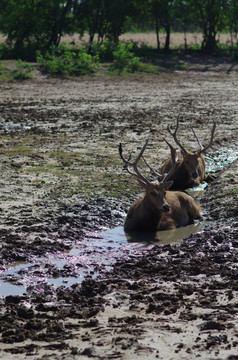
{"x":149,"y":39}
{"x":62,"y":186}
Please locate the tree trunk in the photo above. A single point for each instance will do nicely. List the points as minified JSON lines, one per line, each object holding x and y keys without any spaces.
{"x":167,"y":40}
{"x":58,"y":26}
{"x":157,"y":33}
{"x":185,"y":41}
{"x":210,"y":43}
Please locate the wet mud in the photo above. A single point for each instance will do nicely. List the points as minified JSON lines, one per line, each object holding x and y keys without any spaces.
{"x":73,"y":285}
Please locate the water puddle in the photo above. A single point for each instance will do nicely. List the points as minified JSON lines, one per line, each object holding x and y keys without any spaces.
{"x":197,"y":191}
{"x":97,"y":254}
{"x":99,"y":251}
{"x":215,"y":162}
{"x":221,"y":159}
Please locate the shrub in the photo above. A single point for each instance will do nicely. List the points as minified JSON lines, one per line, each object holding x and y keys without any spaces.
{"x":134,"y":64}
{"x":124,"y":58}
{"x":104,"y":50}
{"x":23,"y":71}
{"x":63,"y":61}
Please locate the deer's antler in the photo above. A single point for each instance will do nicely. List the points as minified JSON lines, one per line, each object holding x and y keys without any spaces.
{"x":203,"y":149}
{"x":174,"y":158}
{"x":174,"y":135}
{"x":134,"y":163}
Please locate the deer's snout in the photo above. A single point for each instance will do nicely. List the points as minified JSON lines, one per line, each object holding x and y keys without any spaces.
{"x":165,"y":207}
{"x":195,"y":174}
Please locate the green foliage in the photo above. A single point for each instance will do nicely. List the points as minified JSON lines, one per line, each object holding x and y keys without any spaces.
{"x":35,"y":24}
{"x":105,"y":18}
{"x":124,"y":58}
{"x":234,"y":54}
{"x":1,"y":67}
{"x":63,"y":61}
{"x":22,"y":72}
{"x":104,"y":50}
{"x":38,"y":24}
{"x":5,"y":52}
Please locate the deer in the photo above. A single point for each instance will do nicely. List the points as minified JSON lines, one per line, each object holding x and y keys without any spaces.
{"x":159,"y":208}
{"x":190,"y":169}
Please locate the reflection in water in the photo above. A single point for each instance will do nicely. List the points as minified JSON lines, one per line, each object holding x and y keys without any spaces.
{"x":165,"y":236}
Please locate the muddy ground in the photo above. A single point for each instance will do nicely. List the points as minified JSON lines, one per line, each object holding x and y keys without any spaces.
{"x":62,"y":184}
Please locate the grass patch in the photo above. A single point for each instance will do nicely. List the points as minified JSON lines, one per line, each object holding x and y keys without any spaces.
{"x":233,"y":192}
{"x":65,"y":158}
{"x":18,"y":150}
{"x":183,"y":66}
{"x":91,"y":184}
{"x":21,"y":72}
{"x":44,"y":169}
{"x":149,"y":68}
{"x":64,"y":171}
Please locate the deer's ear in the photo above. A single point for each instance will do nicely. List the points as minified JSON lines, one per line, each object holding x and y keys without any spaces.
{"x":142,"y":183}
{"x":168,"y":184}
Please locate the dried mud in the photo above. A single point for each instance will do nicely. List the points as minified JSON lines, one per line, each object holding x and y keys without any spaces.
{"x":62,"y":185}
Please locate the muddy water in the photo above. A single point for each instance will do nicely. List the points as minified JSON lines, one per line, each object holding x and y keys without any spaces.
{"x":97,"y":254}
{"x":99,"y":251}
{"x":221,"y":159}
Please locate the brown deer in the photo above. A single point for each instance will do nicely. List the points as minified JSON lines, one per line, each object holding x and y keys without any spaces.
{"x":190,"y":169}
{"x":158,"y":209}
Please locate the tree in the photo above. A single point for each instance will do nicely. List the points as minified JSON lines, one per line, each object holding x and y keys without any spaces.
{"x":231,"y":18}
{"x":106,"y":18}
{"x":34,"y":24}
{"x":211,"y":16}
{"x":185,"y":18}
{"x":59,"y":13}
{"x":18,"y":21}
{"x":92,"y":13}
{"x":116,"y":15}
{"x":163,"y":13}
{"x":155,"y":10}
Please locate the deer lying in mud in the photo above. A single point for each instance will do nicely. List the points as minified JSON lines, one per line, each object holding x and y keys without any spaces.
{"x":158,"y":209}
{"x":190,"y":169}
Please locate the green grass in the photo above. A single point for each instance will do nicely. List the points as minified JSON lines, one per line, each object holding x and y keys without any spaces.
{"x":20,"y":73}
{"x":43,"y":169}
{"x":59,"y":172}
{"x":18,"y":150}
{"x":232,"y":192}
{"x":183,"y":66}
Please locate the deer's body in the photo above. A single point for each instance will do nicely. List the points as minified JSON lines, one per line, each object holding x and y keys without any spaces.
{"x":175,"y":209}
{"x":159,"y":209}
{"x":190,"y":171}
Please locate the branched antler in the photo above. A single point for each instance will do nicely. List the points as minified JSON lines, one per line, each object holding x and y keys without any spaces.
{"x":174,"y":135}
{"x":203,"y":149}
{"x":134,"y":163}
{"x":174,"y":158}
